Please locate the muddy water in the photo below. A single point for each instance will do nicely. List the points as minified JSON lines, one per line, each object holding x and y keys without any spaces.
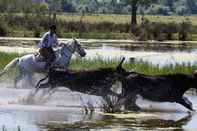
{"x":62,"y":109}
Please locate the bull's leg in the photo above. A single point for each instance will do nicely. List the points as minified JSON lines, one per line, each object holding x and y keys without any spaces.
{"x":39,"y":85}
{"x":45,"y":85}
{"x":186,"y":103}
{"x":129,"y":97}
{"x":39,"y":82}
{"x":129,"y":101}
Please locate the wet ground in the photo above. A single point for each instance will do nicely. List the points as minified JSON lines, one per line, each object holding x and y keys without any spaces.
{"x":65,"y":110}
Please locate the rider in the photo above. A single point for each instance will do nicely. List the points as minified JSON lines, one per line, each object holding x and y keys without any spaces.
{"x":48,"y":41}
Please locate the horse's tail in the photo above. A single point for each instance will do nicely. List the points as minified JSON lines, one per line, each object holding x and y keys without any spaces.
{"x":12,"y":64}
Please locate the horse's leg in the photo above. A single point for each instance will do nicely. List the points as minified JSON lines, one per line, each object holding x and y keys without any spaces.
{"x":18,"y":77}
{"x":186,"y":103}
{"x":30,"y":79}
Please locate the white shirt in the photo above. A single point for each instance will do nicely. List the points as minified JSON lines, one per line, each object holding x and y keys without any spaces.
{"x":48,"y":40}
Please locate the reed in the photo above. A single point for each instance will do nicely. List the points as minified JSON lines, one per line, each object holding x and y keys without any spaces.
{"x":99,"y":62}
{"x":138,"y":66}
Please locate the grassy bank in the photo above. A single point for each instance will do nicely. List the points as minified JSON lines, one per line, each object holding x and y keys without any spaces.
{"x":6,"y":58}
{"x":99,"y":26}
{"x":141,"y":67}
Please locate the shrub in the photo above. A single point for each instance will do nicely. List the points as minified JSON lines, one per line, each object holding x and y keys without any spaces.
{"x":3,"y":28}
{"x":184,"y":30}
{"x":37,"y":32}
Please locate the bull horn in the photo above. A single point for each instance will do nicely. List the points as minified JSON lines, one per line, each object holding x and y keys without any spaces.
{"x":121,"y":62}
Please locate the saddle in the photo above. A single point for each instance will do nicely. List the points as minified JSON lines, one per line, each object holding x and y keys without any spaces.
{"x":45,"y":55}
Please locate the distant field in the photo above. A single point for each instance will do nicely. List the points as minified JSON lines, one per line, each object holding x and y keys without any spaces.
{"x":98,"y":26}
{"x":121,"y":19}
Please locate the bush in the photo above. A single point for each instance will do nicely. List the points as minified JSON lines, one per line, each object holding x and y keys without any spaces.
{"x":184,"y":30}
{"x":37,"y":32}
{"x":3,"y":28}
{"x":158,"y":30}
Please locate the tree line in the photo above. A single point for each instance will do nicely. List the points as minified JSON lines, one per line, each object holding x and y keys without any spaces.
{"x":39,"y":13}
{"x":162,"y":7}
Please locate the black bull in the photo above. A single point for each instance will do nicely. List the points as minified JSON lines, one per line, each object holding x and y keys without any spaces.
{"x":161,"y":88}
{"x":94,"y":82}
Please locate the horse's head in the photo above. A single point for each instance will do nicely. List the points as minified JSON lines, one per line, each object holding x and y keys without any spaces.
{"x":75,"y":46}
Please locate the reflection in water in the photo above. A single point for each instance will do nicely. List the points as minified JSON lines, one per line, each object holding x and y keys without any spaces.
{"x":159,"y":48}
{"x":133,"y":121}
{"x":154,"y":57}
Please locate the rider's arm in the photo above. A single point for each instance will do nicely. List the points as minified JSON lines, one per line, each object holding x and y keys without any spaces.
{"x":44,"y":41}
{"x":56,"y":43}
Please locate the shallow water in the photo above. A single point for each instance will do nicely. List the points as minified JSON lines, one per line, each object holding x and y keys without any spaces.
{"x":158,"y":54}
{"x":20,"y":110}
{"x":63,"y":110}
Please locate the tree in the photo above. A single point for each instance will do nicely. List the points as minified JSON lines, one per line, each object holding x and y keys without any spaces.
{"x":134,"y":5}
{"x":39,"y":8}
{"x":192,"y":5}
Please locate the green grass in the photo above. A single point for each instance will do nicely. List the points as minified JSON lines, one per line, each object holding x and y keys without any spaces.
{"x":5,"y":58}
{"x":139,"y":66}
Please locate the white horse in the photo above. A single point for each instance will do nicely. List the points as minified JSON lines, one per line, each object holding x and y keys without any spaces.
{"x":29,"y":64}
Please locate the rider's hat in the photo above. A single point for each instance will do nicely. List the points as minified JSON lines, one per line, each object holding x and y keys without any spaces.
{"x":52,"y":27}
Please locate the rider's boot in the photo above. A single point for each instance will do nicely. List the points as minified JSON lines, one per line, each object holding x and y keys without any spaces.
{"x":50,"y":58}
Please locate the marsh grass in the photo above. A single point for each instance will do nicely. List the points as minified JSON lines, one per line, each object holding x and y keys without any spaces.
{"x":99,"y":62}
{"x":138,"y":66}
